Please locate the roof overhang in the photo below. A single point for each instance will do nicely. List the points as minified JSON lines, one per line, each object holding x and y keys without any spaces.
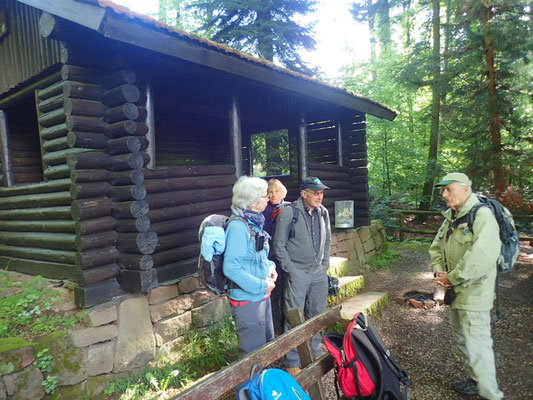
{"x":160,"y":38}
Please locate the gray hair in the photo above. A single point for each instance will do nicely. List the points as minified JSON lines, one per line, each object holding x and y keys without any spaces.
{"x":248,"y":191}
{"x":467,"y":185}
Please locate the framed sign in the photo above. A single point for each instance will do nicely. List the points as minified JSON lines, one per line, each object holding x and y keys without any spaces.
{"x":344,"y":214}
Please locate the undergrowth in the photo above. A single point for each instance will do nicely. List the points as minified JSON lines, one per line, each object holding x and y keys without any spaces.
{"x":26,"y":308}
{"x":203,"y":352}
{"x":385,"y":259}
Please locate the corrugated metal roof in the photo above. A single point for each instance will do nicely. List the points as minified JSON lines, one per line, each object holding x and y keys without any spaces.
{"x":147,"y":20}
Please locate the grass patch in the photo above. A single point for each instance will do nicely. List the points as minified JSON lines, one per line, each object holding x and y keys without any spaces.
{"x":26,"y":308}
{"x":203,"y":352}
{"x":385,"y":259}
{"x":421,"y":245}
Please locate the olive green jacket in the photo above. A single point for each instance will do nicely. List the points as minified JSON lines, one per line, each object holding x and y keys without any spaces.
{"x":469,"y":257}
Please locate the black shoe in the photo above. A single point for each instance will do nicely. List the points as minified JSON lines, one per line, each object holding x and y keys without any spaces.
{"x":468,"y":387}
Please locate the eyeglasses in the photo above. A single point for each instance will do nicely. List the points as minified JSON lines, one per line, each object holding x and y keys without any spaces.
{"x":265,"y":196}
{"x":316,"y":194}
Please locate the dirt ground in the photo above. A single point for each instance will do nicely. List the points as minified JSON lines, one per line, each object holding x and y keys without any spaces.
{"x":422,"y":342}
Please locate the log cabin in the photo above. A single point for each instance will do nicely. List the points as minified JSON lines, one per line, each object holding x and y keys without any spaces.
{"x":119,"y":134}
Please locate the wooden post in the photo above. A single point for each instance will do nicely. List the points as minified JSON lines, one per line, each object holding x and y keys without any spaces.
{"x":305,"y":350}
{"x":150,"y":122}
{"x":235,"y":135}
{"x":340,"y":161}
{"x":401,"y":219}
{"x":7,"y":172}
{"x":303,"y":158}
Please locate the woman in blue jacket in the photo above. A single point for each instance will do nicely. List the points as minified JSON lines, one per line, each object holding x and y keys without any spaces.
{"x":246,"y":265}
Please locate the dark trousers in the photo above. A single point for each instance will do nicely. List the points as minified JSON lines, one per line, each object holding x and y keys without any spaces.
{"x":254,"y":325}
{"x":276,"y":301}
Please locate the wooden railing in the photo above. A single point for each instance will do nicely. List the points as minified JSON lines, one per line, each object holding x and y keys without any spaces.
{"x":402,"y":228}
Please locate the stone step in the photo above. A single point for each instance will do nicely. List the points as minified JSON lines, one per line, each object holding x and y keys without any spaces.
{"x":370,"y":303}
{"x":338,"y":266}
{"x":349,"y":286}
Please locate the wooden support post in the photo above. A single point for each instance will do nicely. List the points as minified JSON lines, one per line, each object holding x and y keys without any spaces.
{"x":235,"y":135}
{"x":340,"y":161}
{"x":150,"y":123}
{"x":305,"y":350}
{"x":401,"y":219}
{"x":7,"y":172}
{"x":303,"y":157}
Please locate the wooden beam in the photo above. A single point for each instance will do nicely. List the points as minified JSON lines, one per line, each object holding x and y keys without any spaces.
{"x":303,"y":156}
{"x":7,"y":172}
{"x":235,"y":133}
{"x":340,"y":161}
{"x":150,"y":123}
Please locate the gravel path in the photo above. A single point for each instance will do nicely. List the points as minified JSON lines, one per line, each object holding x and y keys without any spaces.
{"x":421,"y":340}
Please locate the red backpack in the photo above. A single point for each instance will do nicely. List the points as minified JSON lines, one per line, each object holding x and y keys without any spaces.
{"x":364,"y":366}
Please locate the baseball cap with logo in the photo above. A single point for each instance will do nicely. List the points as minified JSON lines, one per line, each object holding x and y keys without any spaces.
{"x":312,"y":183}
{"x":454,"y":177}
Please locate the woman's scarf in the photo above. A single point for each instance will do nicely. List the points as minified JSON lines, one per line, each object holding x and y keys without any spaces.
{"x":255,"y":217}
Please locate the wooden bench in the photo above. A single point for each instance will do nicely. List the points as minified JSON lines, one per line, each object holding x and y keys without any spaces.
{"x":225,"y":380}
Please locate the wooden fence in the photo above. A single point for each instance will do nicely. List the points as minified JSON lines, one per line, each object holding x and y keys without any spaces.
{"x":402,"y":226}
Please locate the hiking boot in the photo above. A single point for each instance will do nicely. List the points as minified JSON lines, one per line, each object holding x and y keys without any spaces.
{"x":293,"y":371}
{"x":468,"y":387}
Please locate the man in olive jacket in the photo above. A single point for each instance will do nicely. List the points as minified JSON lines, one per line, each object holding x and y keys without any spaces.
{"x":303,"y":255}
{"x":464,"y":261}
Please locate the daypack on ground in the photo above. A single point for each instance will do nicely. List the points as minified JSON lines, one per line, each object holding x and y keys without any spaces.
{"x":364,"y":366}
{"x":508,"y":235}
{"x":213,"y":243}
{"x":270,"y":384}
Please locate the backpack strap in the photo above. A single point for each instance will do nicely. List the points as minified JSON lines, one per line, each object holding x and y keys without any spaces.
{"x":472,"y":214}
{"x":239,"y":218}
{"x":295,"y":216}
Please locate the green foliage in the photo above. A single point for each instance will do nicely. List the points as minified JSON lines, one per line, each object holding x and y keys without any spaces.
{"x":270,"y":153}
{"x":44,"y":361}
{"x":385,"y":259}
{"x":203,"y":352}
{"x":381,"y":207}
{"x":26,"y":308}
{"x":50,"y":384}
{"x":267,"y":29}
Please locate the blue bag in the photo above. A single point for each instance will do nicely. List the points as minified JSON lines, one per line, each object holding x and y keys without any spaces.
{"x":270,"y":384}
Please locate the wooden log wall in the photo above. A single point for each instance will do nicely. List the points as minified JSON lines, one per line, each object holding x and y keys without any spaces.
{"x":115,"y":238}
{"x":178,"y":199}
{"x":355,"y":158}
{"x":24,"y":146}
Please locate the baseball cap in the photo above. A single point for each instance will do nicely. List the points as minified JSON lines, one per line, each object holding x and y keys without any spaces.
{"x":312,"y":183}
{"x":454,"y":177}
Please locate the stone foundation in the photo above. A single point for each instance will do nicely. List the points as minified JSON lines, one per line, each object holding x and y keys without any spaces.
{"x":357,"y":246}
{"x":121,"y":336}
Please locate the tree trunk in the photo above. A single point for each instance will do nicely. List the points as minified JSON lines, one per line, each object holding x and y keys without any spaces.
{"x":494,"y":112}
{"x":431,"y":166}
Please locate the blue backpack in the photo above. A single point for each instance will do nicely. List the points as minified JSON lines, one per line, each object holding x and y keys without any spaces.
{"x":270,"y":384}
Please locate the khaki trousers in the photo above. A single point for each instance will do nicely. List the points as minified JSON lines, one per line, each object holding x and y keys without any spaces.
{"x":471,"y":330}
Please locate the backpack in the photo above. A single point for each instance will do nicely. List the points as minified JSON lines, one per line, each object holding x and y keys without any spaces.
{"x":270,"y":384}
{"x":364,"y":366}
{"x":508,"y":234}
{"x":211,"y":259}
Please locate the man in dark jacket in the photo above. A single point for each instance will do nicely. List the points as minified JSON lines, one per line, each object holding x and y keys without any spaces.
{"x":464,"y":261}
{"x":301,"y":245}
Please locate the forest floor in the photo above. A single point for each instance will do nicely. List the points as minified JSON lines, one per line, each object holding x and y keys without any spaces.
{"x":421,"y":339}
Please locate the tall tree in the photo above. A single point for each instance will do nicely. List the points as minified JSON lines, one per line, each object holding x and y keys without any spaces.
{"x":431,"y":165}
{"x":266,"y":28}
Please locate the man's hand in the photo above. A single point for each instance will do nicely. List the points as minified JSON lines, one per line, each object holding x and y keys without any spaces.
{"x":442,"y":279}
{"x":270,"y":285}
{"x":273,"y":273}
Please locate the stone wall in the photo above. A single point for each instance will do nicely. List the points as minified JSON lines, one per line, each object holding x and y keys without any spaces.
{"x":121,"y":336}
{"x":357,"y":246}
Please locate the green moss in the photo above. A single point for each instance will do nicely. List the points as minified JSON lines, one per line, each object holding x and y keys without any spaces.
{"x":78,"y":391}
{"x":13,"y":343}
{"x":56,"y":342}
{"x":348,"y":290}
{"x":69,"y":360}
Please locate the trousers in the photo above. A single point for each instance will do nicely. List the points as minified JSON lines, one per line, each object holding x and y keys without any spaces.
{"x":471,"y":331}
{"x":310,"y":292}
